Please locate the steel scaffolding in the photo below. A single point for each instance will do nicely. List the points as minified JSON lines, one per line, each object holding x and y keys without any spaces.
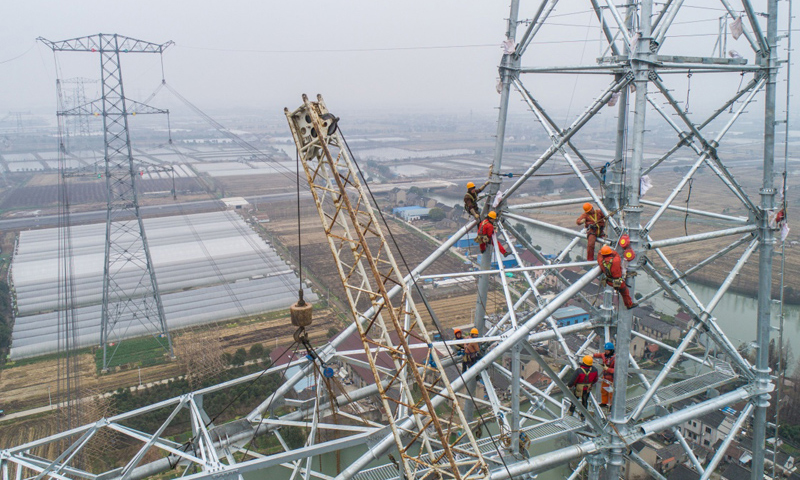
{"x":536,"y":414}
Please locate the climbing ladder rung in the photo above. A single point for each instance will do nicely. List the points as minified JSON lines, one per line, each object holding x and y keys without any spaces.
{"x":488,"y":446}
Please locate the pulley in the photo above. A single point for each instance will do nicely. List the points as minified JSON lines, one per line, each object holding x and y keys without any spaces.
{"x":301,"y":312}
{"x":624,"y":241}
{"x":629,"y":254}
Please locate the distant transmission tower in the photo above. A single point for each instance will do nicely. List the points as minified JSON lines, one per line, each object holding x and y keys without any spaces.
{"x":80,"y":123}
{"x":126,"y":302}
{"x":19,"y":121}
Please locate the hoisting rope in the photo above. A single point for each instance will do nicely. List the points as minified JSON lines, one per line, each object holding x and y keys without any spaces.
{"x":299,"y":237}
{"x":741,"y":80}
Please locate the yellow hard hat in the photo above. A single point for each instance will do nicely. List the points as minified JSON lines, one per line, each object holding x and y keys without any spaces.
{"x":470,"y":185}
{"x":492,"y":214}
{"x":587,"y":207}
{"x":606,"y":250}
{"x":588,"y":360}
{"x":474,"y":331}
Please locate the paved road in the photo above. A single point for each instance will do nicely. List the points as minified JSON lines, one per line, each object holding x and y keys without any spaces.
{"x":97,"y":216}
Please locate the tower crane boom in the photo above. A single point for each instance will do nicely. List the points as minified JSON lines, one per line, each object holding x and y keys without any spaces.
{"x":433,"y":444}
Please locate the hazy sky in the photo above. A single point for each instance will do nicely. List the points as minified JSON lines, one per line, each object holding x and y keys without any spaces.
{"x":413,"y":55}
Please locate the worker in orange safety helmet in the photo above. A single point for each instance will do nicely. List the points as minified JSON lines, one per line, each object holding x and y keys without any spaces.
{"x":471,"y":199}
{"x":472,"y":351}
{"x":611,"y":266}
{"x":458,"y":349}
{"x":595,"y":222}
{"x":486,"y":231}
{"x":583,"y":380}
{"x":607,"y":385}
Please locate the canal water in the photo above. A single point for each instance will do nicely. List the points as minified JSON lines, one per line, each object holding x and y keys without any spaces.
{"x":735,"y":314}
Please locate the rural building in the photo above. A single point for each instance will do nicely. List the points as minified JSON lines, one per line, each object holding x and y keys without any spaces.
{"x":574,"y":342}
{"x":397,"y":196}
{"x":646,"y":321}
{"x":565,"y":316}
{"x":682,"y":472}
{"x":467,"y":240}
{"x":707,"y":430}
{"x":735,"y":472}
{"x":411,"y":213}
{"x":236,"y":203}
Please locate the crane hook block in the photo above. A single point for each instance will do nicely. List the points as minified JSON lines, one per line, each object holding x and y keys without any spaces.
{"x":301,"y":312}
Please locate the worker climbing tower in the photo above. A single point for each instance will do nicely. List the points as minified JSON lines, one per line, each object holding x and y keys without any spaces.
{"x":130,"y":289}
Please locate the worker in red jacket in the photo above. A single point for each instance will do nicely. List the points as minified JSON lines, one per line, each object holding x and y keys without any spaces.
{"x":595,"y":222}
{"x":583,"y":380}
{"x":607,"y":385}
{"x":486,"y":231}
{"x":611,"y":266}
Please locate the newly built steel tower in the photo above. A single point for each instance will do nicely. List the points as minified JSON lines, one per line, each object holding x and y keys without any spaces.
{"x":130,"y":290}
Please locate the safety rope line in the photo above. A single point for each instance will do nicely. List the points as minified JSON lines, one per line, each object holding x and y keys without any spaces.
{"x":686,"y":216}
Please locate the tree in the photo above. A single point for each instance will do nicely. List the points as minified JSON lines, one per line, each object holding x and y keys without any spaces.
{"x":256,"y":351}
{"x":520,"y":228}
{"x":572,"y":184}
{"x":239,"y":357}
{"x":547,"y":185}
{"x":786,"y":356}
{"x":295,"y":437}
{"x":436,"y":214}
{"x":332,"y":332}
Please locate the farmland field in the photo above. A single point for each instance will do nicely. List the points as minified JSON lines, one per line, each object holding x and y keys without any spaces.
{"x":41,"y":191}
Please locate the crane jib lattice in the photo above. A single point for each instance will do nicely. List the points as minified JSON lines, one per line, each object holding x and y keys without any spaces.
{"x":367,"y":269}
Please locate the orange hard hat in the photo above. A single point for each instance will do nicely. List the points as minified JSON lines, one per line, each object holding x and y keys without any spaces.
{"x":456,"y":330}
{"x":492,"y":214}
{"x":470,"y":185}
{"x":606,"y":250}
{"x":588,"y":360}
{"x":474,"y":331}
{"x":587,"y":207}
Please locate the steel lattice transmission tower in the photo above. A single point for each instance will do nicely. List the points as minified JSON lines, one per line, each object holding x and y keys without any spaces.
{"x":127,"y":254}
{"x":80,"y":123}
{"x":522,"y":434}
